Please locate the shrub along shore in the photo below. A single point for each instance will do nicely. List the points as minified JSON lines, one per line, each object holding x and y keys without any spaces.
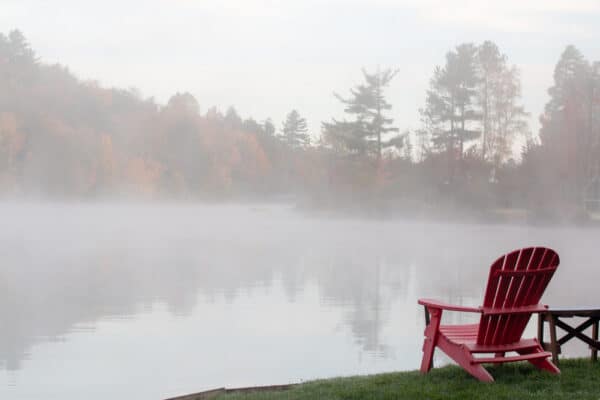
{"x":580,"y":379}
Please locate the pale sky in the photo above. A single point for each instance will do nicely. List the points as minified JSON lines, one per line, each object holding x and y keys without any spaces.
{"x":267,"y":57}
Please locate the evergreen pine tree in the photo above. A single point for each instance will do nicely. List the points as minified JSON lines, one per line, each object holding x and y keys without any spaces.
{"x":295,"y":131}
{"x":367,"y":133}
{"x":568,"y":133}
{"x":268,"y":127}
{"x":451,"y":111}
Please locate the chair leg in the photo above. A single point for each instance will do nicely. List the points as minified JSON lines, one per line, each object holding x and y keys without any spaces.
{"x":431,"y":335}
{"x":478,"y":372}
{"x":428,"y":350}
{"x":464,"y":358}
{"x":541,"y":363}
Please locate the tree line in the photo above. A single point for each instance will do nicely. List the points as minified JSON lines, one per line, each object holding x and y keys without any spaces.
{"x":64,"y":137}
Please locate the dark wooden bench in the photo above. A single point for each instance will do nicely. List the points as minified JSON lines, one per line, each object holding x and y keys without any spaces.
{"x":555,"y":317}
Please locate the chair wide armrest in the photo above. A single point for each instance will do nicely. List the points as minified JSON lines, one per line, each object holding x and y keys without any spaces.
{"x":536,"y":308}
{"x":430,"y":303}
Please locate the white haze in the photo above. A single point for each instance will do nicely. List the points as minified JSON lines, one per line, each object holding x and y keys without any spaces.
{"x":152,"y":301}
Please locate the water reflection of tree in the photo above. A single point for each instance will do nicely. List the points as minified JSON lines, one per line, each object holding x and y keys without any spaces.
{"x":43,"y":298}
{"x":54,"y":289}
{"x":47,"y":297}
{"x":360,"y":287}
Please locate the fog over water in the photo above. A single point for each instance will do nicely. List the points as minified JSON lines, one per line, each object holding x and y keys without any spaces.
{"x":150,"y":301}
{"x":226,"y":193}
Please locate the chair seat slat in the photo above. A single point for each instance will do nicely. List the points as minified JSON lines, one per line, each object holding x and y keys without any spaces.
{"x":524,"y":357}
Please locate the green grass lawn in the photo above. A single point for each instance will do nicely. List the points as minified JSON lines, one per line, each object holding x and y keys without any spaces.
{"x":580,"y":379}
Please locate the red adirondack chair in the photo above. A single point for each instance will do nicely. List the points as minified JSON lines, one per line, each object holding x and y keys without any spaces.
{"x":515,"y":286}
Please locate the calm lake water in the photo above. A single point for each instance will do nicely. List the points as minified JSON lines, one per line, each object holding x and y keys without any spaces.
{"x":147,"y":302}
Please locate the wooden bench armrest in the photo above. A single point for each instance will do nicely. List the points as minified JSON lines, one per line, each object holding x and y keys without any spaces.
{"x":430,"y":303}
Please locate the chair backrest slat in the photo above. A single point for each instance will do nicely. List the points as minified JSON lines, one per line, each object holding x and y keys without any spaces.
{"x":506,"y":325}
{"x":516,"y":279}
{"x":503,"y":284}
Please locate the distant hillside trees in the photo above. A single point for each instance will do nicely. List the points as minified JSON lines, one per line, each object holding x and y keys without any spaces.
{"x":63,"y":137}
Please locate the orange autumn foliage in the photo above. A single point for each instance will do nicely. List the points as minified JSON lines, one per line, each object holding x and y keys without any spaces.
{"x":143,"y":176}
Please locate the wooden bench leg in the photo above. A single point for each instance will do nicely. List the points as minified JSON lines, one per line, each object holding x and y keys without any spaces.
{"x":540,"y":328}
{"x":553,"y":342}
{"x":595,"y":337}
